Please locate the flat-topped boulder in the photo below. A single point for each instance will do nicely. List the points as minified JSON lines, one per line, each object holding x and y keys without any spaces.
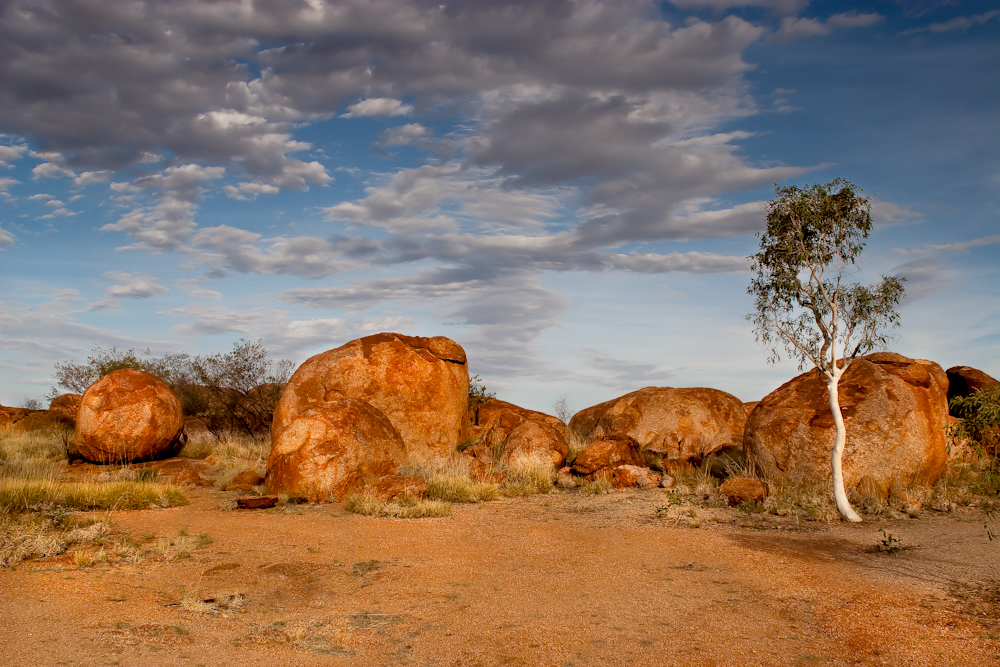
{"x":128,"y":415}
{"x":895,"y":410}
{"x":420,"y":384}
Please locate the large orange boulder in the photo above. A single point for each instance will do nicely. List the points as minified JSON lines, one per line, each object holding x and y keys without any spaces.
{"x":895,"y":410}
{"x":677,"y":425}
{"x":128,"y":415}
{"x":420,"y":384}
{"x":334,"y":450}
{"x":516,"y":432}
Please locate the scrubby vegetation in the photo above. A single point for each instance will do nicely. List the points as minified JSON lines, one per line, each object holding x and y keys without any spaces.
{"x":234,"y":391}
{"x":402,"y":508}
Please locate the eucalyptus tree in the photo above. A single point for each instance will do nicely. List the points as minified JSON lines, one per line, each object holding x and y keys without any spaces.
{"x":804,"y":301}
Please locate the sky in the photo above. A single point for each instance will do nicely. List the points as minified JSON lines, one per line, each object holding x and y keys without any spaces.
{"x":569,"y":190}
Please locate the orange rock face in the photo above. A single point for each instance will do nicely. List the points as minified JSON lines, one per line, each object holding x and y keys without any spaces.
{"x":895,"y":410}
{"x":679,"y":425}
{"x":334,"y":450}
{"x":609,"y":452}
{"x":128,"y":415}
{"x":420,"y":384}
{"x":516,"y":432}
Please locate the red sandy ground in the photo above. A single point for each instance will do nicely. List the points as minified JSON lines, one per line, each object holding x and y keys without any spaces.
{"x":560,"y":580}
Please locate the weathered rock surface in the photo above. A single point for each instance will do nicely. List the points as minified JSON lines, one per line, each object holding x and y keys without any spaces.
{"x":609,"y":452}
{"x":128,"y":415}
{"x":333,"y":450}
{"x":397,"y":486}
{"x":739,"y":490}
{"x":420,"y":384}
{"x":626,"y":476}
{"x":516,"y":432}
{"x":895,"y":410}
{"x":678,"y":425}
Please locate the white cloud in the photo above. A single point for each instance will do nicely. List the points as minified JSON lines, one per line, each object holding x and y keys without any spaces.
{"x":10,"y":154}
{"x":90,"y":177}
{"x":6,"y":183}
{"x":803,"y":28}
{"x":404,"y":135}
{"x":133,"y":286}
{"x":782,"y":6}
{"x":961,"y":23}
{"x":6,"y":238}
{"x":377,"y":106}
{"x":958,"y":247}
{"x":52,"y":170}
{"x":232,"y":248}
{"x":887,"y":213}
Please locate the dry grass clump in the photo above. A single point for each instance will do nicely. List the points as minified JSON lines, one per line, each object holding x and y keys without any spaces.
{"x":449,"y":480}
{"x":232,"y":453}
{"x":44,"y":533}
{"x":30,"y":455}
{"x":801,"y":500}
{"x":400,"y":508}
{"x":528,"y":475}
{"x":595,"y":487}
{"x":576,"y":445}
{"x":23,"y":495}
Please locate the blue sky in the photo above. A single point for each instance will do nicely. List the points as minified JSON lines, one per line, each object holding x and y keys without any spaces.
{"x":567,"y":189}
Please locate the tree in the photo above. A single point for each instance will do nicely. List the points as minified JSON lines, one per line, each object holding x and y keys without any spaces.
{"x":802,"y":300}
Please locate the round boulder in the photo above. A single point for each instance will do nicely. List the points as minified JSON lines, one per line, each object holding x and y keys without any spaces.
{"x":895,"y":410}
{"x":963,"y":380}
{"x":516,"y":432}
{"x":677,"y":425}
{"x":66,"y":405}
{"x":128,"y":415}
{"x":334,"y":450}
{"x":420,"y":384}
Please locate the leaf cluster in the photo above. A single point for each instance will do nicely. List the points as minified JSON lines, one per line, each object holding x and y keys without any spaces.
{"x":978,"y":419}
{"x":802,"y":301}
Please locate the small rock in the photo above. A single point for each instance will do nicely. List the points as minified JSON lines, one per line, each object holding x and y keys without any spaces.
{"x":257,"y":502}
{"x":738,"y":490}
{"x":188,"y":477}
{"x":631,"y":475}
{"x":667,"y":482}
{"x":240,"y":488}
{"x":249,"y":477}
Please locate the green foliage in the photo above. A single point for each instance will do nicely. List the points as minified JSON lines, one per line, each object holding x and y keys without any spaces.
{"x":889,"y":543}
{"x":978,"y":419}
{"x":478,"y":394}
{"x":813,"y":236}
{"x":230,"y":391}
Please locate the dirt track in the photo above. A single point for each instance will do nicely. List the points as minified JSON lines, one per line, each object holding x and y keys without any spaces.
{"x":553,"y":580}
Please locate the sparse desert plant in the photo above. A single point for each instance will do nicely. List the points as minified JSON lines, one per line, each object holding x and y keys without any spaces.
{"x":595,"y":487}
{"x":22,"y":495}
{"x":528,"y":475}
{"x":449,"y":480}
{"x":401,"y":508}
{"x":576,"y":445}
{"x":802,"y":500}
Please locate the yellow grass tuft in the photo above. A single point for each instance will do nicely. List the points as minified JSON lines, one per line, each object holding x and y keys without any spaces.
{"x":402,"y":508}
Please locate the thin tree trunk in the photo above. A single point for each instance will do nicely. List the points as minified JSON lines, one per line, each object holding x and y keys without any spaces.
{"x":840,"y":495}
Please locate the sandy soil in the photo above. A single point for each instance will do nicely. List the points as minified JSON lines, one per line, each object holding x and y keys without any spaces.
{"x":561,"y":580}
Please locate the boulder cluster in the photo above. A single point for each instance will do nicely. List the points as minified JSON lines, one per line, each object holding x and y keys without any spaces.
{"x":352,"y":418}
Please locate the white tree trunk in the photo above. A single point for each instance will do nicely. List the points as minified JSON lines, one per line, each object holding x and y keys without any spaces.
{"x":840,"y":495}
